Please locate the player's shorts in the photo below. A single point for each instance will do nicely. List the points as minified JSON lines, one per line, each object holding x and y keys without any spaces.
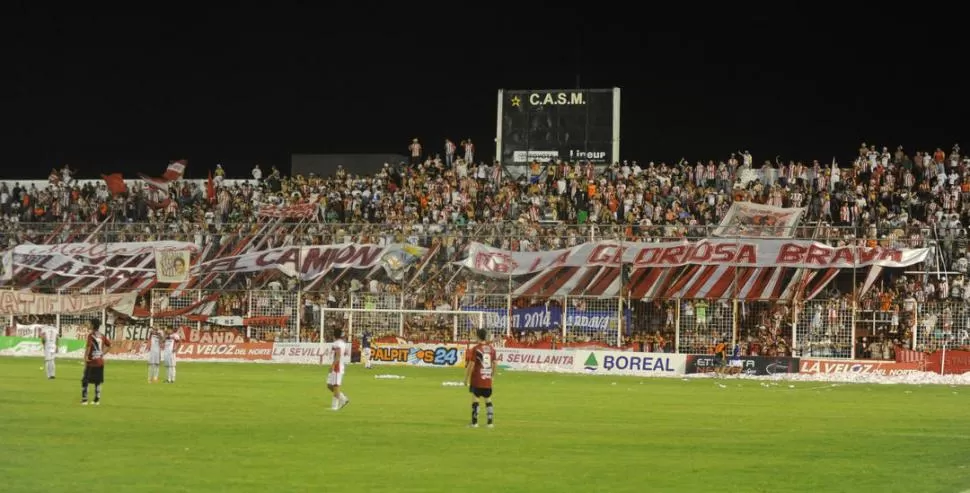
{"x":93,"y":374}
{"x":154,"y":358}
{"x":481,"y":392}
{"x":49,"y":354}
{"x":335,"y":378}
{"x":169,"y":360}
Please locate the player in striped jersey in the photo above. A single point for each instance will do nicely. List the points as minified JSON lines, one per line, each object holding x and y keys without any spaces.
{"x":336,"y":377}
{"x":154,"y":353}
{"x":170,"y":349}
{"x":49,"y":336}
{"x":97,"y":346}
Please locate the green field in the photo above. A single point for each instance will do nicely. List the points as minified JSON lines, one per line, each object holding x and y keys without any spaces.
{"x":241,"y":428}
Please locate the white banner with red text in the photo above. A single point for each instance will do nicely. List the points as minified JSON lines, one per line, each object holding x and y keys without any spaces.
{"x":762,"y":252}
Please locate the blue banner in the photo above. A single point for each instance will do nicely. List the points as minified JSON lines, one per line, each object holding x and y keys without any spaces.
{"x":542,"y":318}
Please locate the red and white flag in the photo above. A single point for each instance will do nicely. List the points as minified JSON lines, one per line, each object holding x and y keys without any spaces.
{"x":174,"y":172}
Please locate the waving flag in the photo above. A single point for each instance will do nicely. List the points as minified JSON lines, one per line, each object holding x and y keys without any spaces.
{"x":174,"y":172}
{"x":116,"y":183}
{"x":210,"y":189}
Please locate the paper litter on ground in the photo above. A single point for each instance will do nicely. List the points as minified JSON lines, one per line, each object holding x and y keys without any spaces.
{"x":914,"y":378}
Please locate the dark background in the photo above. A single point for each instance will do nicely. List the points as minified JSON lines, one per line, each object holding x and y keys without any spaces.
{"x":111,"y":92}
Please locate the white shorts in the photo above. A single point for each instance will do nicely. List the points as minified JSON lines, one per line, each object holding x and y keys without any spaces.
{"x":169,"y":360}
{"x":335,"y":378}
{"x":154,"y":358}
{"x":49,"y":355}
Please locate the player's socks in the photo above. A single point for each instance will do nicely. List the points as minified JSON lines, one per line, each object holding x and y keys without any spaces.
{"x":474,"y":414}
{"x":490,"y":413}
{"x":84,"y":394}
{"x":97,"y":393}
{"x":334,"y":403}
{"x":50,"y":369}
{"x":344,"y":400}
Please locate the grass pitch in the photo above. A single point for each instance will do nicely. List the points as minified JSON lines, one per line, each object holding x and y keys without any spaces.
{"x":259,"y":428}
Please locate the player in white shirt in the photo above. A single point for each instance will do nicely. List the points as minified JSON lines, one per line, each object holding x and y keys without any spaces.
{"x":336,"y":377}
{"x":169,"y":351}
{"x":49,"y":336}
{"x":154,"y":353}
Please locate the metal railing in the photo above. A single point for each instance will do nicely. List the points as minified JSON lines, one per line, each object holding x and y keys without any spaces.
{"x":820,"y":328}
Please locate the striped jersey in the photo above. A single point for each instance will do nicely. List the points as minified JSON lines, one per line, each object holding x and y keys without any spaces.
{"x":97,"y":345}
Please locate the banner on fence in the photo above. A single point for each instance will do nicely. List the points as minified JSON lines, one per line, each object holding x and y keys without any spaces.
{"x":167,"y":261}
{"x":747,"y":219}
{"x":952,"y":363}
{"x":27,"y":303}
{"x":542,"y":318}
{"x":535,"y":359}
{"x":311,"y":262}
{"x":32,"y":346}
{"x":245,"y":351}
{"x":225,"y":336}
{"x":629,"y":363}
{"x":885,"y":368}
{"x":749,"y":365}
{"x":762,"y":252}
{"x":172,"y":266}
{"x":306,"y":353}
{"x":452,"y":355}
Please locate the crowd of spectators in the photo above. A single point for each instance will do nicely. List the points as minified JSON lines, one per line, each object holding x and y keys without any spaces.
{"x":892,"y":197}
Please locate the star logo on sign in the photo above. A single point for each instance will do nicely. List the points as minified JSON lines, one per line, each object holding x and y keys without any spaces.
{"x":516,"y":102}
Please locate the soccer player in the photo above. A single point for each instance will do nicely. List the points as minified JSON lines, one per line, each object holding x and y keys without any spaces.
{"x":49,"y":336}
{"x":171,"y":345}
{"x":336,"y":377}
{"x":365,"y":349}
{"x":478,"y":376}
{"x":97,"y":346}
{"x":154,"y":353}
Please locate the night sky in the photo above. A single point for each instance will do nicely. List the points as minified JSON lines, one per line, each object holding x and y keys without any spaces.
{"x":128,"y":94}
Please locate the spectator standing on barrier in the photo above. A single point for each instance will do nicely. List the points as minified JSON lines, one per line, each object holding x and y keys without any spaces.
{"x":415,"y":152}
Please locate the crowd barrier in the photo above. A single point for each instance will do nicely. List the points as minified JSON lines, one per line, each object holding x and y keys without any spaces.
{"x":818,"y":329}
{"x":448,"y":355}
